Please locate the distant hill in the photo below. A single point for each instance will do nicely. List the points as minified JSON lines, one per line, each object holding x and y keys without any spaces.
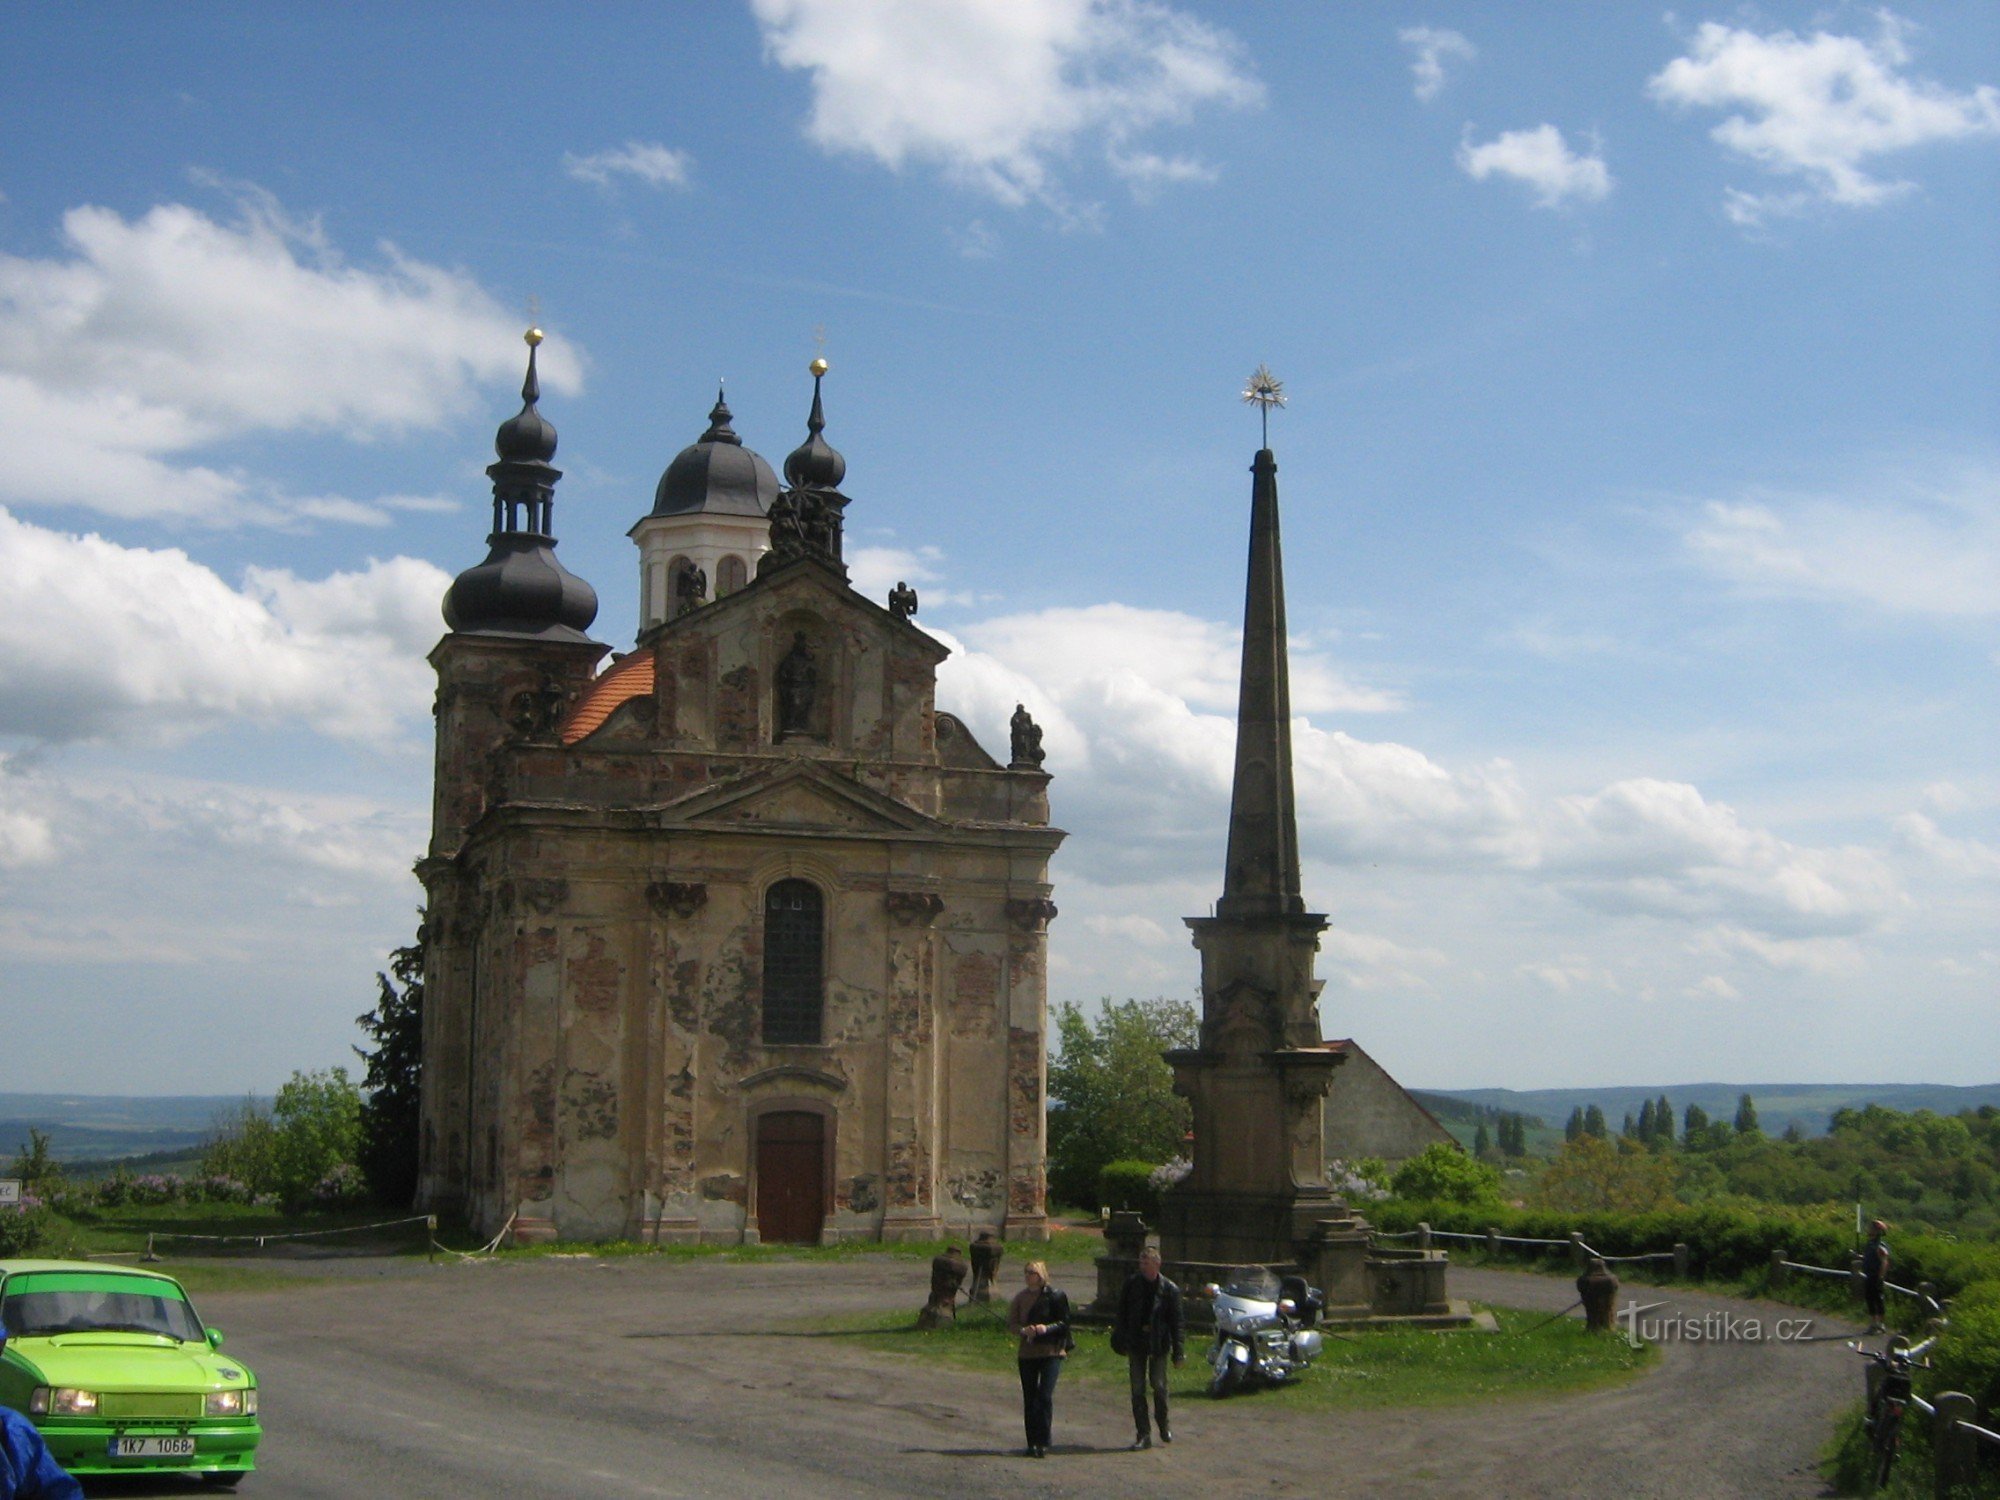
{"x":97,"y":1127}
{"x":1779,"y":1105}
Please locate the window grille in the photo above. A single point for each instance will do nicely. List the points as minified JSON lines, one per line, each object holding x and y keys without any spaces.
{"x":793,"y":981}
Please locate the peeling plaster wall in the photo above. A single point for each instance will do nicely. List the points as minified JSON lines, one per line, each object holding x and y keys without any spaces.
{"x":595,"y":1045}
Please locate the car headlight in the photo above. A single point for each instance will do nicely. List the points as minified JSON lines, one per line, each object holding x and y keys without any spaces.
{"x":241,"y":1403}
{"x":61,"y":1401}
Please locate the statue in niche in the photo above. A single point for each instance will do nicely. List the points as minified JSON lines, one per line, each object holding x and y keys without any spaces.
{"x":690,"y":589}
{"x":798,"y":685}
{"x":902,"y":601}
{"x":1026,"y":737}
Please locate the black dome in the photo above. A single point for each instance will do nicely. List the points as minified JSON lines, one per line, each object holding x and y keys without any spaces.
{"x":521,"y":589}
{"x":716,"y":475}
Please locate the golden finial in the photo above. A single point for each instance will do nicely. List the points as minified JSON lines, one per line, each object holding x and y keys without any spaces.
{"x":819,"y":367}
{"x":532,"y":338}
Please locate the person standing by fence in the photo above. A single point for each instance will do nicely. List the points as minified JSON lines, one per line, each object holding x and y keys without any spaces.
{"x":1039,"y":1317}
{"x":1151,"y":1328}
{"x":1875,"y":1275}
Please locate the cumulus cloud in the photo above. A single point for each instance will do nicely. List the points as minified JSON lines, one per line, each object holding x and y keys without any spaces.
{"x":1434,"y":49}
{"x":1913,"y":546}
{"x":646,"y":162}
{"x":103,"y":641}
{"x":1660,"y":848}
{"x":1921,"y":836}
{"x":1541,"y":159}
{"x":997,"y":93}
{"x":1138,"y":710}
{"x":1820,"y":108}
{"x":128,"y":356}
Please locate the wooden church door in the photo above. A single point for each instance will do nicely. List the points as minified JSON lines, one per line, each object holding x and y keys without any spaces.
{"x":791,"y":1177}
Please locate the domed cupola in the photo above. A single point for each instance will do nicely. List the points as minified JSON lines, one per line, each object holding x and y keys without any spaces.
{"x":716,"y":474}
{"x":815,"y":464}
{"x":521,"y":589}
{"x":707,"y":528}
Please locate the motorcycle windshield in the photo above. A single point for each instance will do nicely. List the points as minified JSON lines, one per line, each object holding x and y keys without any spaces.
{"x":1252,"y":1283}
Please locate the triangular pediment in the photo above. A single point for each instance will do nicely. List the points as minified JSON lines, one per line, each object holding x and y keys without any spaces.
{"x":802,"y":795}
{"x":811,"y":585}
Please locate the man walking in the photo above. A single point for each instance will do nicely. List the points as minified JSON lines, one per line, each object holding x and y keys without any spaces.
{"x":1151,"y":1329}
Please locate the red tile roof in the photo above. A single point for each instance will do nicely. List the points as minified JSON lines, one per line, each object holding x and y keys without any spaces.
{"x":628,"y":679}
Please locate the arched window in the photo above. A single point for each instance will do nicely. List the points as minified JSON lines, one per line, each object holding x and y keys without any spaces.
{"x":730,"y":575}
{"x":794,"y":921}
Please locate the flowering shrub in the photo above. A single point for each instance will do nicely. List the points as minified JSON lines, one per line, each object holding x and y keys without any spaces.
{"x":1167,"y":1173}
{"x":116,"y":1190}
{"x":217,"y":1187}
{"x":1358,"y":1182}
{"x":25,"y":1227}
{"x":340,"y":1187}
{"x":156,"y":1187}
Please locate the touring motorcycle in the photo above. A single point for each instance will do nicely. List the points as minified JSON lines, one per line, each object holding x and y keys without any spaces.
{"x":1263,"y":1328}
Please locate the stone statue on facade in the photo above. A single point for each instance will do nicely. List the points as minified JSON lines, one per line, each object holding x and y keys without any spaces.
{"x":690,"y":589}
{"x":798,"y":686}
{"x":902,"y":601}
{"x":1026,"y":740}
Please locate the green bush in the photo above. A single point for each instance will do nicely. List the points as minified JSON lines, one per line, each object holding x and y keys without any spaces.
{"x":1967,"y":1357}
{"x":29,"y":1228}
{"x":1442,"y":1173}
{"x":1128,"y":1186}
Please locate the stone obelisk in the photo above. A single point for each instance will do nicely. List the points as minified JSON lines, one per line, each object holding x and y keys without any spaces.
{"x":1260,"y":1074}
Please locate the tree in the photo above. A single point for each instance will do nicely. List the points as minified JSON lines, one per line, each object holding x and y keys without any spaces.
{"x":1111,"y":1093}
{"x":1593,"y":1123}
{"x":1592,"y":1174}
{"x":242,"y":1143}
{"x":393,"y":1077}
{"x":41,"y":1174}
{"x":317,"y":1120}
{"x":1630,"y":1129}
{"x":1442,"y":1173}
{"x":1482,"y":1143}
{"x":1574,"y":1127}
{"x":1694,"y":1127}
{"x":1663,"y":1123}
{"x":1746,"y":1117}
{"x":1646,"y":1123}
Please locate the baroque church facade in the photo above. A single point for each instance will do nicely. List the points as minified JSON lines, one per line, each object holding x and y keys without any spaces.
{"x":734,"y":936}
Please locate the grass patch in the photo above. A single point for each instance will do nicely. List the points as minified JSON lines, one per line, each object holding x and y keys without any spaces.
{"x":127,"y":1228}
{"x":1356,"y":1371}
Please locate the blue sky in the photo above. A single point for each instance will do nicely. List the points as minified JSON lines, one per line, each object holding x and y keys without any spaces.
{"x":1641,"y":478}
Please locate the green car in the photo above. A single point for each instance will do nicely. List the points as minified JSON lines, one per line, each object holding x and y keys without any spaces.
{"x":119,"y":1375}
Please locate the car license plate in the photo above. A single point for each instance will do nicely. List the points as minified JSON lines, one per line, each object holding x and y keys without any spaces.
{"x":152,"y":1447}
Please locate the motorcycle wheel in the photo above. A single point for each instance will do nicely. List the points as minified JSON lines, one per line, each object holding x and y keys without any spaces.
{"x":1226,"y":1379}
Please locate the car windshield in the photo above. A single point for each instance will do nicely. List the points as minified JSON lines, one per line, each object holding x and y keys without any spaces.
{"x":40,"y":1305}
{"x":1257,"y":1283}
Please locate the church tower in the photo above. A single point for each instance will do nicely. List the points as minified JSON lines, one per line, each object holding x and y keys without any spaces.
{"x":739,"y":938}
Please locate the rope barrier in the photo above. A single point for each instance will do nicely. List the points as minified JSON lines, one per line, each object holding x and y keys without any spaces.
{"x":296,"y":1234}
{"x":1979,"y":1432}
{"x":486,"y":1249}
{"x":1793,"y":1265}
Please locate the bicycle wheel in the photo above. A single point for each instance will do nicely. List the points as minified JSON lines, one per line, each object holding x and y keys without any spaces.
{"x":1887,"y":1433}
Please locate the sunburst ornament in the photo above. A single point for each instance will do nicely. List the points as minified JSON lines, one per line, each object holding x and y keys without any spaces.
{"x":1264,"y":390}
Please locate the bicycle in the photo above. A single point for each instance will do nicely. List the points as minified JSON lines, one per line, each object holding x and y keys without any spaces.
{"x":1889,"y":1396}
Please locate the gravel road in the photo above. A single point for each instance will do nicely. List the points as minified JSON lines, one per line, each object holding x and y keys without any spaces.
{"x":631,"y":1378}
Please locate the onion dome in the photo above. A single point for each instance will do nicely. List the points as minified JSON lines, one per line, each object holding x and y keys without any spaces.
{"x":521,"y":589}
{"x":815,"y":464}
{"x":716,"y":474}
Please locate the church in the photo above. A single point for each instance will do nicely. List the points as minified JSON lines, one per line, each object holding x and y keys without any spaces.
{"x":733,"y":936}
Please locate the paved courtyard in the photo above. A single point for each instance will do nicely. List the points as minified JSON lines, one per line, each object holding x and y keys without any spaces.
{"x":631,"y":1378}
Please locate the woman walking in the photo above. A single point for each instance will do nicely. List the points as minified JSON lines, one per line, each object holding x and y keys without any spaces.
{"x":1039,"y":1317}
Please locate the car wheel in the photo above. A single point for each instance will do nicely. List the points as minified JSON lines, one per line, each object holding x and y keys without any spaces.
{"x":226,"y":1479}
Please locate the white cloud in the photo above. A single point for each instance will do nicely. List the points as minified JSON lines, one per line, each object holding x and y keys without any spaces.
{"x":998,"y":93}
{"x":1137,"y":708}
{"x":1660,"y":848}
{"x":104,"y":641}
{"x":1542,"y":159}
{"x":1820,"y":108}
{"x":1713,"y":987}
{"x":1436,"y":48}
{"x":148,"y":341}
{"x":26,"y":836}
{"x":1911,"y":546}
{"x":647,"y":162}
{"x":1568,"y":973}
{"x":1969,"y":857}
{"x":1367,"y":961}
{"x":1823,"y":956}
